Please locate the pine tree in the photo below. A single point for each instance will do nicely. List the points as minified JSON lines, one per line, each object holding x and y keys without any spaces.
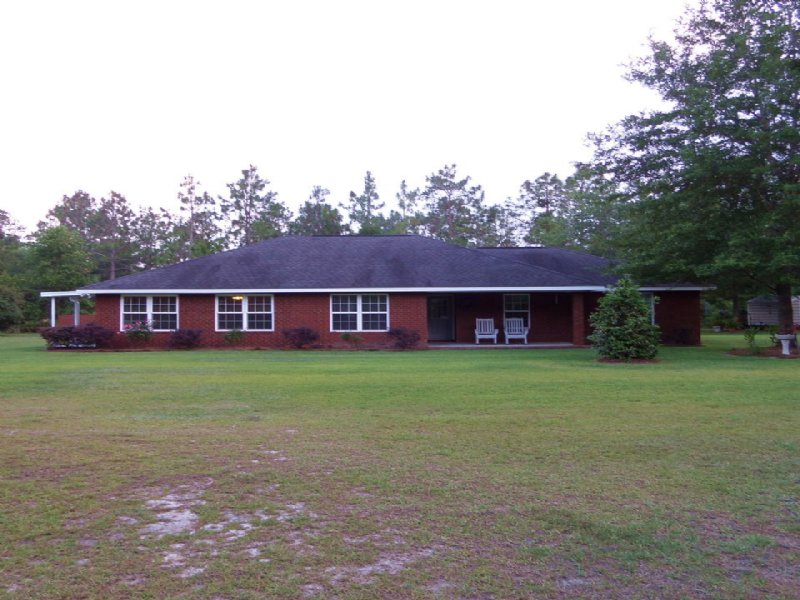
{"x":454,"y":210}
{"x":363,"y":210}
{"x":253,"y":211}
{"x":317,"y":217}
{"x":198,"y":233}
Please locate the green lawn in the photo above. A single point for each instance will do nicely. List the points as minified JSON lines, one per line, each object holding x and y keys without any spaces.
{"x":436,"y":474}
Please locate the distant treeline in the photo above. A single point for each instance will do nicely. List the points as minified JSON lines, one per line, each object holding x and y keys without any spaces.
{"x":83,"y":239}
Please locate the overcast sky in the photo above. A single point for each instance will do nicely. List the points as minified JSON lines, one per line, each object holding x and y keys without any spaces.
{"x":132,"y":96}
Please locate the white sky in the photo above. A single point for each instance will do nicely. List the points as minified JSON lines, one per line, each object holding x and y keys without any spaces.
{"x":132,"y":96}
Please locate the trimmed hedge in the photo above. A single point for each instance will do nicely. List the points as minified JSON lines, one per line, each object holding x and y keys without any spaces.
{"x":82,"y":336}
{"x":404,"y":339}
{"x":300,"y":336}
{"x":185,"y":339}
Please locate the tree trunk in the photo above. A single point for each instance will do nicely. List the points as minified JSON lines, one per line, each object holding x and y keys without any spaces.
{"x":112,"y":263}
{"x":737,"y":312}
{"x":785,"y":316}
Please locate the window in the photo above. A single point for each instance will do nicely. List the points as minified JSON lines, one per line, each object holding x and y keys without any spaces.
{"x":359,"y":312}
{"x":248,"y":313}
{"x":344,"y":313}
{"x":650,"y":300}
{"x":164,"y":313}
{"x":161,"y":312}
{"x":517,"y":306}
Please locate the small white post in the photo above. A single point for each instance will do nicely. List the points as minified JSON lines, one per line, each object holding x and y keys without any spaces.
{"x":52,"y":311}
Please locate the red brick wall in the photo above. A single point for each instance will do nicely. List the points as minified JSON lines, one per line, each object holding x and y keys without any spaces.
{"x":68,"y":320}
{"x":551,"y":318}
{"x":106,"y":312}
{"x":678,"y":314}
{"x":290,"y":311}
{"x":469,"y":307}
{"x":590,"y":301}
{"x":578,"y":319}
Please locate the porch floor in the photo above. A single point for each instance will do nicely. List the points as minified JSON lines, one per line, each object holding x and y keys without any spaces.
{"x":485,"y":346}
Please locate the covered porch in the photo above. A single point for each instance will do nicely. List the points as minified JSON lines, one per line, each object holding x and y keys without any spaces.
{"x":74,"y":298}
{"x":553,"y":318}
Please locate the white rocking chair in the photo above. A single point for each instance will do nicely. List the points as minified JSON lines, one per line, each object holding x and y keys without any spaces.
{"x":485,"y":330}
{"x":515,"y":330}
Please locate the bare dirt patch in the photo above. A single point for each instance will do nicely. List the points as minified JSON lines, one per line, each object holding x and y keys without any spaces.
{"x":754,"y":551}
{"x":175,"y":513}
{"x":279,"y":526}
{"x":390,"y":563}
{"x":174,"y":510}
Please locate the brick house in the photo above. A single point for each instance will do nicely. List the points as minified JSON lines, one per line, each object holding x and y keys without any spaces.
{"x":370,"y":284}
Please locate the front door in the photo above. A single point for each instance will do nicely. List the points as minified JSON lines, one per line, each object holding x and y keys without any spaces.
{"x":440,"y":318}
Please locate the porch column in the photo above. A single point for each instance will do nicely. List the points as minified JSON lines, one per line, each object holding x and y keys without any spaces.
{"x":76,"y":310}
{"x":52,"y":311}
{"x":578,"y":326}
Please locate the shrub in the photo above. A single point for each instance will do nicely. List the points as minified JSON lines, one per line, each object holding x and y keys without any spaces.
{"x":10,"y":308}
{"x":622,"y":325}
{"x":234,"y":337}
{"x":97,"y":334}
{"x":57,"y":337}
{"x":185,"y":339}
{"x":353,"y":339}
{"x":750,"y":339}
{"x":300,"y":336}
{"x":83,"y":336}
{"x":772,"y":330}
{"x":404,"y":339}
{"x":140,"y":331}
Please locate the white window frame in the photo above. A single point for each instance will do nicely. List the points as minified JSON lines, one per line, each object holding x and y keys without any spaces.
{"x":149,"y":311}
{"x":245,"y":310}
{"x":360,"y":314}
{"x":650,"y":300}
{"x":517,"y":312}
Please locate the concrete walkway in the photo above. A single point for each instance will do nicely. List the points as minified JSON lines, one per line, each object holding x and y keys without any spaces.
{"x":484,"y":346}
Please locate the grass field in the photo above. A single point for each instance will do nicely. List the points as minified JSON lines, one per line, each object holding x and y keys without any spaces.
{"x":436,"y":474}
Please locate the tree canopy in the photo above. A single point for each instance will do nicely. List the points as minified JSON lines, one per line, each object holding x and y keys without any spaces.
{"x":317,"y":217}
{"x":712,"y":181}
{"x":364,"y":209}
{"x":59,"y":260}
{"x":454,"y":209}
{"x":253,"y":211}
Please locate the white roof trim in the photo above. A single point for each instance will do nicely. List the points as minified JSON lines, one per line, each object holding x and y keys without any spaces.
{"x":63,"y":294}
{"x":390,"y":290}
{"x":677,"y":288}
{"x":382,"y":290}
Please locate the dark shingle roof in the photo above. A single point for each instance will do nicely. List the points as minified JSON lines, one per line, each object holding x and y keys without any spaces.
{"x":595,"y":270}
{"x":369,"y":262}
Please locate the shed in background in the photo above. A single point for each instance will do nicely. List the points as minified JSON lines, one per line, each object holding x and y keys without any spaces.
{"x":763,"y":310}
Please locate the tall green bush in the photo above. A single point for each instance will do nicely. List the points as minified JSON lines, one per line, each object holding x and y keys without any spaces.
{"x":622,"y":325}
{"x":10,"y":307}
